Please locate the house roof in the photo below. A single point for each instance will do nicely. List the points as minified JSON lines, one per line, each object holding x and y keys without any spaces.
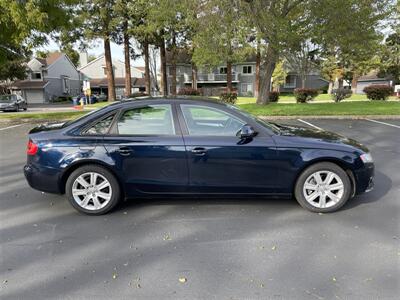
{"x":119,"y":82}
{"x":372,"y":76}
{"x":29,"y":84}
{"x":42,"y":61}
{"x":52,"y":57}
{"x":140,"y":68}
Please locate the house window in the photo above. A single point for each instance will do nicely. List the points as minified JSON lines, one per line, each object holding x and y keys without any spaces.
{"x":247,"y":70}
{"x":223,"y":70}
{"x":66,"y":86}
{"x":37,"y":75}
{"x":290,"y":81}
{"x":247,"y":88}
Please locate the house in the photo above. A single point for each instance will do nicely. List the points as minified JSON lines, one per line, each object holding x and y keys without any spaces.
{"x":313,"y":81}
{"x":95,"y":72}
{"x":371,"y":79}
{"x":49,"y":78}
{"x":214,"y":81}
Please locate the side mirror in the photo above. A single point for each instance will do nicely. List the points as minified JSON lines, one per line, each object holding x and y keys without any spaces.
{"x":246,"y":132}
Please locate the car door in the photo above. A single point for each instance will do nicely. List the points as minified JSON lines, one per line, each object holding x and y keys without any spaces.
{"x":219,"y":161}
{"x":147,"y":148}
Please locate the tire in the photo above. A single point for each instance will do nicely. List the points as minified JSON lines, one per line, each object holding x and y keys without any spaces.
{"x":25,"y":108}
{"x":85,"y":198}
{"x":336,"y":192}
{"x":17,"y":108}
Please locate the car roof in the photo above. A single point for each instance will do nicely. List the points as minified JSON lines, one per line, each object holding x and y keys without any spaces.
{"x":158,"y":100}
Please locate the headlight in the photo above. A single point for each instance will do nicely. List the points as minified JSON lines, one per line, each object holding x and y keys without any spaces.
{"x":366,"y":158}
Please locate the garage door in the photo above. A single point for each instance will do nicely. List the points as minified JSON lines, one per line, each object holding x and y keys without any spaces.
{"x":34,"y":96}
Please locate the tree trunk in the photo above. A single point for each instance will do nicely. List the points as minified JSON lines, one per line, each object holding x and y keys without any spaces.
{"x":303,"y":82}
{"x":163,"y":68}
{"x":266,"y":71}
{"x":257,"y":82}
{"x":354,"y":83}
{"x":147,"y":68}
{"x":109,"y":70}
{"x":194,"y":76}
{"x":128,"y":79}
{"x":229,"y":77}
{"x":330,"y":87}
{"x":340,"y":83}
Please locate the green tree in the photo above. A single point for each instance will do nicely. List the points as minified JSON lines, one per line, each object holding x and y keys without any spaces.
{"x":279,"y":76}
{"x":221,"y":36}
{"x":98,"y":19}
{"x":391,"y":57}
{"x":25,"y":25}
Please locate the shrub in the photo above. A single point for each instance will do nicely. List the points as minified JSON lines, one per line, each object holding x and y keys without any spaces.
{"x":378,"y":92}
{"x":341,"y":94}
{"x":249,"y":94}
{"x":273,"y":96}
{"x":305,"y":95}
{"x":228,"y":98}
{"x":189,"y":91}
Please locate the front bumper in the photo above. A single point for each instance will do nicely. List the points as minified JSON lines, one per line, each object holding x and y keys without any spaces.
{"x":365,"y":178}
{"x":43,"y":179}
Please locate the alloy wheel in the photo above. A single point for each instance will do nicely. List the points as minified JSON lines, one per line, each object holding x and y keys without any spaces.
{"x":323,"y":189}
{"x":91,"y":191}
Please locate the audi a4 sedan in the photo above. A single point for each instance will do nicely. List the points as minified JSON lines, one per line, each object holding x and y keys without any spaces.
{"x":171,"y":147}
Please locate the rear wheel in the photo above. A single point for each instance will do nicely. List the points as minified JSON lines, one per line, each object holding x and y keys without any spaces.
{"x":92,"y":190}
{"x":323,"y":187}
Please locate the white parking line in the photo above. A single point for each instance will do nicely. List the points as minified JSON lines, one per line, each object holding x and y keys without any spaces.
{"x":309,"y":124}
{"x":383,"y":123}
{"x":9,"y":127}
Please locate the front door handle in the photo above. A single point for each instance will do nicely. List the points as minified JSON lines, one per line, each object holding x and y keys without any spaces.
{"x":199,"y":151}
{"x":124,"y":151}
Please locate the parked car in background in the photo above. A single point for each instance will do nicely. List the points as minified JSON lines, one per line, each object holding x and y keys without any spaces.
{"x":12,"y":103}
{"x":158,"y":147}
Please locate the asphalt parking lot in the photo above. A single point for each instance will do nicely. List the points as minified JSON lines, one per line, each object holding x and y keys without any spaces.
{"x":203,"y":249}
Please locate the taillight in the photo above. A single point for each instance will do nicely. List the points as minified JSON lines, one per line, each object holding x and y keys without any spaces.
{"x":31,"y":148}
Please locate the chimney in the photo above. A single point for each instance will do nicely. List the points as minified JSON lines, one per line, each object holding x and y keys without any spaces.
{"x":83,"y":59}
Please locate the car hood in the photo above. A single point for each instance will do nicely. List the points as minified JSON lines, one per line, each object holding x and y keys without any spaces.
{"x":46,"y":127}
{"x":320,"y":136}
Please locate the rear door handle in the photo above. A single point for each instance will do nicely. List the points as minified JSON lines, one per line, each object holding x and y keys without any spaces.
{"x":199,"y":151}
{"x":124,"y":151}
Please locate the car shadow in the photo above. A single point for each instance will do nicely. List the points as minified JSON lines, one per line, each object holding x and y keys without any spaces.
{"x":383,"y":184}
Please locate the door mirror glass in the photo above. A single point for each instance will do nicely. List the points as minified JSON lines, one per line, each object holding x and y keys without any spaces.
{"x":246,"y":131}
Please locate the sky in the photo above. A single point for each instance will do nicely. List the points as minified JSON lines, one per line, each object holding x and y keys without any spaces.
{"x":117,"y":51}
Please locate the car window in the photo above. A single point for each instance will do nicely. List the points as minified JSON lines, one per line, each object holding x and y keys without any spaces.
{"x":201,"y":120}
{"x":101,"y":127}
{"x":147,"y":120}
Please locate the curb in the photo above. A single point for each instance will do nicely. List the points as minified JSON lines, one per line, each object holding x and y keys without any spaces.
{"x":349,"y":117}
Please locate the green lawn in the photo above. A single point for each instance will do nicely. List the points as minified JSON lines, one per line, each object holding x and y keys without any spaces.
{"x":289,"y":98}
{"x":359,"y":107}
{"x":43,"y":116}
{"x":325,"y":109}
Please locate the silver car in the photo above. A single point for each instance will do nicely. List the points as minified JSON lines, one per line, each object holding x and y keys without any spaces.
{"x":12,"y":103}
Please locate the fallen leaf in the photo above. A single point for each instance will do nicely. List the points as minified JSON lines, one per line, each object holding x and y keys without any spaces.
{"x":115,"y":275}
{"x":334,"y":279}
{"x":182,"y":279}
{"x":167,"y":237}
{"x":273,"y":247}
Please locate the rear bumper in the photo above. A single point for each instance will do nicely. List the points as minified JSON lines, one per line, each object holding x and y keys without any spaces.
{"x":365,"y":179}
{"x":43,"y":179}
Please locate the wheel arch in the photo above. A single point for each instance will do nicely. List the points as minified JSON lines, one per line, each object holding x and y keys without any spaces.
{"x":344,"y":165}
{"x":81,"y":163}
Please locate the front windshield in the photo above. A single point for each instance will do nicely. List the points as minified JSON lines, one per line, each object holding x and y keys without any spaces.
{"x":263,"y":123}
{"x":6,"y":98}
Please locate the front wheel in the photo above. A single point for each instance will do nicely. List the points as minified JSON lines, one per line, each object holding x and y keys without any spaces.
{"x":323,"y":187}
{"x":92,"y":190}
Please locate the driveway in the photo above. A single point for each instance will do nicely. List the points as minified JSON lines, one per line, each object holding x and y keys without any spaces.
{"x":203,"y":249}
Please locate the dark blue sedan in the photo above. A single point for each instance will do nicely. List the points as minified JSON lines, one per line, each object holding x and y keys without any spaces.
{"x":159,"y":147}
